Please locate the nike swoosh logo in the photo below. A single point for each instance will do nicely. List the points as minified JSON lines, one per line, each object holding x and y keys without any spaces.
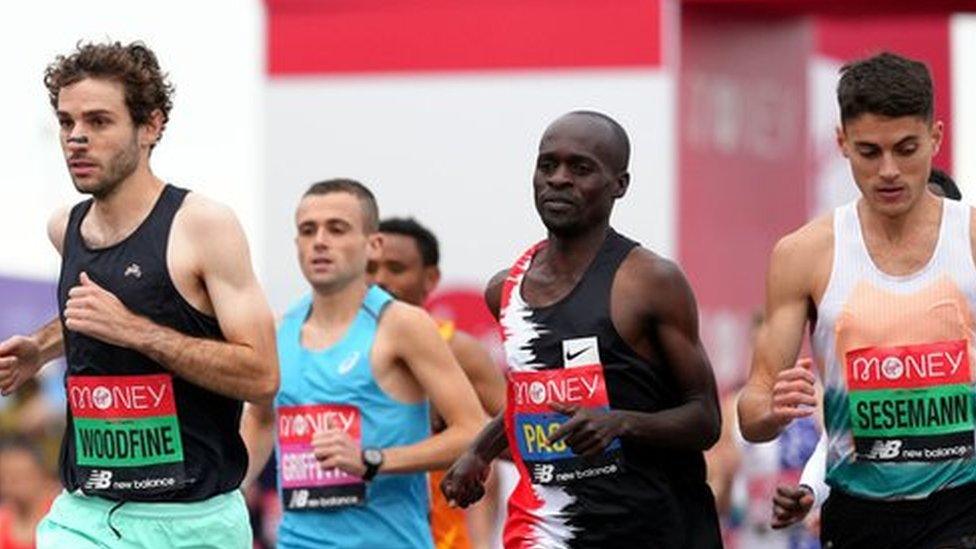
{"x":571,"y":356}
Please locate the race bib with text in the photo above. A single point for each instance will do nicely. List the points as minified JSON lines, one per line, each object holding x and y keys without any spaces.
{"x":530,"y":395}
{"x":911,"y":403}
{"x":127,"y":434}
{"x":305,"y":484}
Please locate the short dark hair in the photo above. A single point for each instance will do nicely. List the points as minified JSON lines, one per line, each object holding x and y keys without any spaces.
{"x":133,"y":65}
{"x":371,"y":212}
{"x":945,"y":181}
{"x":886,"y":84}
{"x":622,"y":145}
{"x":426,"y":241}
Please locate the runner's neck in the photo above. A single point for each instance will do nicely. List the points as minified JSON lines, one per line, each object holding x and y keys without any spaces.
{"x":927,"y":209}
{"x":572,"y":254}
{"x":128,"y":206}
{"x":336,"y":310}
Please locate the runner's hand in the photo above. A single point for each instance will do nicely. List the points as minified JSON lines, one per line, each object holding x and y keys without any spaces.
{"x":335,"y":449}
{"x":588,"y":431}
{"x":464,"y":482}
{"x":96,"y":312}
{"x":791,"y":505}
{"x":793,"y":393}
{"x":20,"y":359}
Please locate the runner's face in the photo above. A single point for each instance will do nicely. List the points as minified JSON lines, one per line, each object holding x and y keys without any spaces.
{"x":890,"y":159}
{"x":574,"y":183}
{"x":400,"y":269}
{"x":100,"y":142}
{"x":333,"y":247}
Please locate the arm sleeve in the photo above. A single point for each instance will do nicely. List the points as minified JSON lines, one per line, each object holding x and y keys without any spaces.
{"x":815,"y":472}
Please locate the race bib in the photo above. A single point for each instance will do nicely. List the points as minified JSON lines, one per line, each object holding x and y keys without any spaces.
{"x":127,"y":434}
{"x":911,"y":403}
{"x":533,"y":421}
{"x":304,"y":484}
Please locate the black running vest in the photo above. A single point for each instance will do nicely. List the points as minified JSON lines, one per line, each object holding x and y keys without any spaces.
{"x":136,"y":432}
{"x":657,"y":497}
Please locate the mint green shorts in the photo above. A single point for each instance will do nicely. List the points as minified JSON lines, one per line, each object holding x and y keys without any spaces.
{"x":77,"y":521}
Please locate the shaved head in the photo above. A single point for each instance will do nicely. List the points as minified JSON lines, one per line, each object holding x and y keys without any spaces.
{"x":610,"y":139}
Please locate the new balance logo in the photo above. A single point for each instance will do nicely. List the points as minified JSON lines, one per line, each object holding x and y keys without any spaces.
{"x":99,"y":479}
{"x":542,"y":473}
{"x":299,"y":499}
{"x":885,"y":449}
{"x":133,"y":270}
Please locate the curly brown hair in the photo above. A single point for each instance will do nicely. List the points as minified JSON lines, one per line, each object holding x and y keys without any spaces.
{"x":134,"y":65}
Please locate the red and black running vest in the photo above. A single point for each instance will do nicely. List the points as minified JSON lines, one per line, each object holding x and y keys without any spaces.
{"x":635,"y":495}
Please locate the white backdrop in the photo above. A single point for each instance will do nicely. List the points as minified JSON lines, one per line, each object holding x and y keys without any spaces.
{"x":457,"y":151}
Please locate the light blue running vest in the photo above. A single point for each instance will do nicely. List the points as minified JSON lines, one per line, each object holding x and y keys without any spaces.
{"x":395,"y":514}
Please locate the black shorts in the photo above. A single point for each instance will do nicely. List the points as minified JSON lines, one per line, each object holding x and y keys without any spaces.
{"x":946,"y":519}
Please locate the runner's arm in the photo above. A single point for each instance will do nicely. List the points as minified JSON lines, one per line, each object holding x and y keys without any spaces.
{"x":491,"y":442}
{"x":423,"y":350}
{"x":246,"y":365}
{"x":778,"y":342}
{"x":257,"y":430}
{"x":50,"y":341}
{"x":50,"y":337}
{"x":21,"y":357}
{"x":481,"y":371}
{"x":672,"y":320}
{"x":723,"y":460}
{"x":464,"y":483}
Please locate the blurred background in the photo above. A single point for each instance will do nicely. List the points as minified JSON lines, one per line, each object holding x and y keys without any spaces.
{"x":438,"y":106}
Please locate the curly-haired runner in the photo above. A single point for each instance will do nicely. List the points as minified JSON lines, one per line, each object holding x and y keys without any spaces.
{"x":164,"y":328}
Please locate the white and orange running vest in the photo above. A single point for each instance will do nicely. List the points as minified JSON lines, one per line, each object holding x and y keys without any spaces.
{"x":896,"y":355}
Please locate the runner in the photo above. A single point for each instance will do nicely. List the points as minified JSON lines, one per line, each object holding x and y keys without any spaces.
{"x":792,"y":504}
{"x":357,"y":369}
{"x":891,"y":283}
{"x":164,"y":327}
{"x":611,"y":399}
{"x":408,"y":269}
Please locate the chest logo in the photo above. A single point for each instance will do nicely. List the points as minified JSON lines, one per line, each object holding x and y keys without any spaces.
{"x":581,"y":351}
{"x":133,"y":270}
{"x":348,"y":364}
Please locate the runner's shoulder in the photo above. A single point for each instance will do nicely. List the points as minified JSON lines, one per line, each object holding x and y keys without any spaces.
{"x":652,"y":280}
{"x":402,"y":319}
{"x":201,"y":215}
{"x":811,"y":243}
{"x":57,"y":227}
{"x":649,"y":269}
{"x":972,"y":225}
{"x":493,"y":291}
